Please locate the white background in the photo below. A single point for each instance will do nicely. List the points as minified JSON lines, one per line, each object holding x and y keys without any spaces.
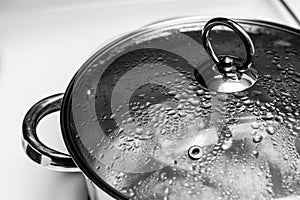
{"x":43,"y":43}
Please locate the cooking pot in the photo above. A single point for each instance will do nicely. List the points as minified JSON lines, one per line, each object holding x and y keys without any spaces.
{"x":184,"y":108}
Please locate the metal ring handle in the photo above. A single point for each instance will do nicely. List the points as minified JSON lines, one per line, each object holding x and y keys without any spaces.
{"x":238,"y":30}
{"x":34,"y":148}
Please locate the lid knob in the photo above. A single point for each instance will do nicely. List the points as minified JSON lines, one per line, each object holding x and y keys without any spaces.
{"x":236,"y":74}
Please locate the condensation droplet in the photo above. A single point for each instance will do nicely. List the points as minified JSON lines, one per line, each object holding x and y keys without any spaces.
{"x":270,"y":130}
{"x":257,"y":138}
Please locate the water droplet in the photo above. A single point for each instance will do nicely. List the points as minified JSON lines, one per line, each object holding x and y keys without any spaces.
{"x":182,"y":113}
{"x":248,"y":102}
{"x":257,"y":138}
{"x":130,"y":119}
{"x":227,"y":144}
{"x":90,"y":94}
{"x":206,"y":105}
{"x":288,"y":109}
{"x":255,"y":153}
{"x":163,"y":176}
{"x":255,"y":125}
{"x":172,"y":92}
{"x":184,"y":95}
{"x":192,"y":87}
{"x":270,"y":130}
{"x":171,"y":112}
{"x":200,"y":92}
{"x":139,"y":131}
{"x":286,"y":94}
{"x":158,"y":106}
{"x":180,"y":107}
{"x":178,"y":96}
{"x":168,"y":108}
{"x":193,"y":102}
{"x":268,"y":116}
{"x":120,"y":175}
{"x":130,"y":193}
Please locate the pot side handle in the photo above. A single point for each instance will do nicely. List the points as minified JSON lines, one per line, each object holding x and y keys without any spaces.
{"x":34,"y":148}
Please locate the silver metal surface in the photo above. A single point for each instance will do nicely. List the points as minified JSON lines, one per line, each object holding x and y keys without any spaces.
{"x":104,"y":174}
{"x":238,"y":30}
{"x":195,"y":152}
{"x":95,"y":193}
{"x":34,"y":148}
{"x":230,"y":73}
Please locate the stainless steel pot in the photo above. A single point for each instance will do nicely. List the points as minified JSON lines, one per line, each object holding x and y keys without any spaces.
{"x":182,"y":109}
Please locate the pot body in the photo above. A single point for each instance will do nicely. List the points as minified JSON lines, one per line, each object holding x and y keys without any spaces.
{"x":95,"y":193}
{"x":62,"y":162}
{"x":99,"y":176}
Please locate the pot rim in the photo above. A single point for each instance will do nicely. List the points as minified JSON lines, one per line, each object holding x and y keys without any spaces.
{"x":67,"y":99}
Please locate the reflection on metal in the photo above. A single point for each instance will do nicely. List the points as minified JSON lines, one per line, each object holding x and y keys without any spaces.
{"x":195,"y":152}
{"x":34,"y":148}
{"x":233,"y":74}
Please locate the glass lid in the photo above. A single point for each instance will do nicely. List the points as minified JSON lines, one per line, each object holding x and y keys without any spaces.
{"x":182,"y":109}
